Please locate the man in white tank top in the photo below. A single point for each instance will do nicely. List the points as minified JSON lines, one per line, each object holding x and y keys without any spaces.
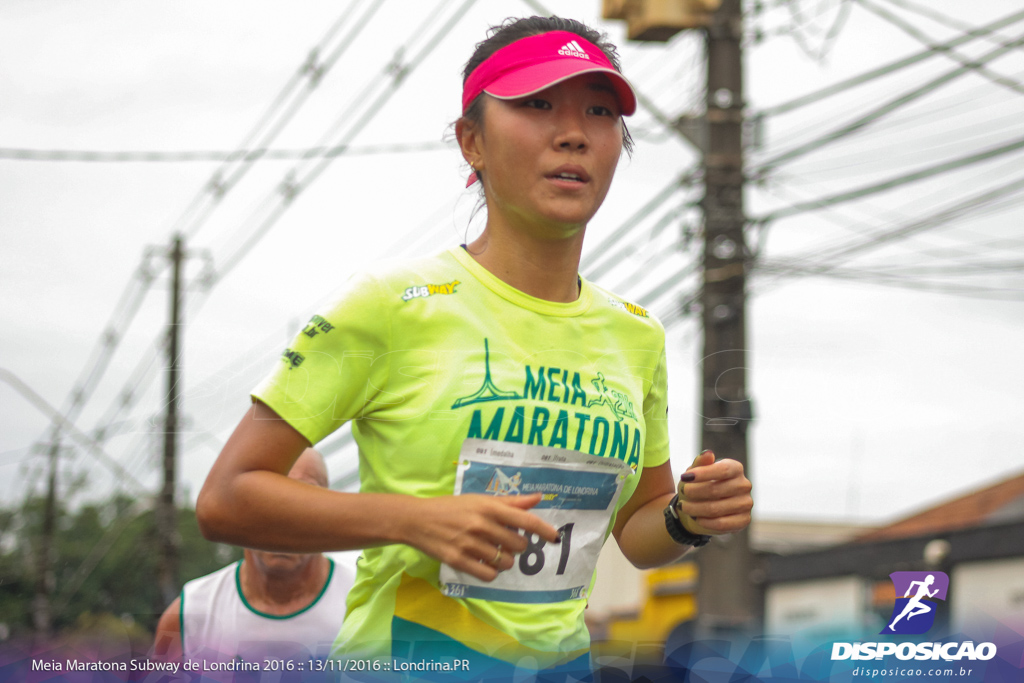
{"x":269,"y":605}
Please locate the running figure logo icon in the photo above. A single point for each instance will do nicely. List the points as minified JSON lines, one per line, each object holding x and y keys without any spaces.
{"x":914,"y":613}
{"x":503,"y":485}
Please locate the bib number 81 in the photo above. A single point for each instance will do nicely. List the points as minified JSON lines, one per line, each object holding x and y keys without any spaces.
{"x":531,"y":560}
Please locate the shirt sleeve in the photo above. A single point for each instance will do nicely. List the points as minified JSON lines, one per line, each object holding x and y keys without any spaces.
{"x":335,"y":367}
{"x":656,"y":451}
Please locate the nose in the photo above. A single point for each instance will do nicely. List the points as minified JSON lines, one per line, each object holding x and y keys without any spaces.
{"x":572,"y":134}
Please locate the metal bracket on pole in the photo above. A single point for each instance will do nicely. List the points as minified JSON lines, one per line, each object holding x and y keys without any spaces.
{"x":694,"y":129}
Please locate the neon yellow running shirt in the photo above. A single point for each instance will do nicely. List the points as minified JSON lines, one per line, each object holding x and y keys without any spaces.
{"x":436,"y":351}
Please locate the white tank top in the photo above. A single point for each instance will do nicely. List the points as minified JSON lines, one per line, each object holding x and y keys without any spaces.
{"x":218,"y":623}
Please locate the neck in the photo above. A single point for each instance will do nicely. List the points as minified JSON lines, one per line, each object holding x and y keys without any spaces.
{"x":539,"y":265}
{"x":283,"y":593}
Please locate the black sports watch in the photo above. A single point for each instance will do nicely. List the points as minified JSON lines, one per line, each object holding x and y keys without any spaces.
{"x":676,"y":529}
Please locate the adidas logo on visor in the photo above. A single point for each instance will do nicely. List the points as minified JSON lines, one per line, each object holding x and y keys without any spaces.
{"x":573,"y":49}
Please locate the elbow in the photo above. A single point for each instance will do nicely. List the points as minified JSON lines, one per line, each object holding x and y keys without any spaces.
{"x":210,"y":515}
{"x":644,"y":565}
{"x":646,"y":562}
{"x":649,"y":552}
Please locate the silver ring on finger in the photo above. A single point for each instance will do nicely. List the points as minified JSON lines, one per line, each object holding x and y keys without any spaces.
{"x":497,"y":556}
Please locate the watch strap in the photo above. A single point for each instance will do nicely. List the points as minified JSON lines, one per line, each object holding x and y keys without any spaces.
{"x":677,"y":531}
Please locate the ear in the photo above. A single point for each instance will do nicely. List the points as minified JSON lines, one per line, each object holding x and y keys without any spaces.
{"x":470,"y":137}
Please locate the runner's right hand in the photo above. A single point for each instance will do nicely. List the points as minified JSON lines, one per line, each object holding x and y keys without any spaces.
{"x":465,"y":531}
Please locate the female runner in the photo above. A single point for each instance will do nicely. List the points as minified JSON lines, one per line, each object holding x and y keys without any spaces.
{"x":510,"y":415}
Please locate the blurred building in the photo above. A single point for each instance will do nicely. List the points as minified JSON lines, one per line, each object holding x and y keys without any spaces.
{"x":977,"y":539}
{"x":629,"y":605}
{"x":821,"y":579}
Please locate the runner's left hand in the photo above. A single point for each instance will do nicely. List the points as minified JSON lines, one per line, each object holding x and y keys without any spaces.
{"x":717,"y":500}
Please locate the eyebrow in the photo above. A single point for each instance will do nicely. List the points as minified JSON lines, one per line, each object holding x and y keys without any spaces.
{"x":601,"y":87}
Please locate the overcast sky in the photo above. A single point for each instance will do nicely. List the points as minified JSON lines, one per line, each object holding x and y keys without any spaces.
{"x":872,"y":400}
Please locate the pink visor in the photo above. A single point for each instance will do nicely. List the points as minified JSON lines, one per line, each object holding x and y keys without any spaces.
{"x":534,"y":63}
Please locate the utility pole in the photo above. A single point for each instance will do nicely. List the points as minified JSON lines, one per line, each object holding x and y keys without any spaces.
{"x":42,"y":617}
{"x":727,"y":599}
{"x":726,"y":596}
{"x":166,"y":511}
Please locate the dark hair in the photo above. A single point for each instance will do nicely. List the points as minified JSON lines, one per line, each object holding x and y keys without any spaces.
{"x":512,"y":29}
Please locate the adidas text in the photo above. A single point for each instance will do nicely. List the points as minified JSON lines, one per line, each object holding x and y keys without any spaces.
{"x":572,"y":49}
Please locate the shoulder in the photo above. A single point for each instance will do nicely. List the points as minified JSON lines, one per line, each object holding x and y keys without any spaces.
{"x":341,"y":578}
{"x":631,"y":317}
{"x":224,"y":575}
{"x":393,"y":282}
{"x":402,"y":280}
{"x":167,"y":640}
{"x":170,"y":620}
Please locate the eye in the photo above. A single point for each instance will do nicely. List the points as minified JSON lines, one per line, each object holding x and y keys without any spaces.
{"x":536,"y":103}
{"x":601,"y":110}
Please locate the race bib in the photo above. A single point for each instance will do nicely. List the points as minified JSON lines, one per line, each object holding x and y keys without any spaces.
{"x":579,"y":495}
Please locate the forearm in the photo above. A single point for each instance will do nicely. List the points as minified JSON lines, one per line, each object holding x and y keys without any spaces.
{"x":249,"y":500}
{"x":645,"y":541}
{"x":268,"y":511}
{"x":714,"y":498}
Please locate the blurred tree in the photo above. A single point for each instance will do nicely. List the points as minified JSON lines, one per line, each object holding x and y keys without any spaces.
{"x":106,"y":564}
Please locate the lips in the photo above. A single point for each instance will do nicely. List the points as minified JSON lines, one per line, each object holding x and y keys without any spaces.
{"x":570,"y":173}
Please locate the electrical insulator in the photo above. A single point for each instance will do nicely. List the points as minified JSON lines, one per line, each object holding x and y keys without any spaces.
{"x":659,"y":20}
{"x":613,"y":9}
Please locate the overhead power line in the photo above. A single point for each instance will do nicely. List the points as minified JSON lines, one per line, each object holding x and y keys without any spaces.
{"x":669,"y":284}
{"x":140,"y":156}
{"x":799,"y":23}
{"x":914,"y":33}
{"x":274,"y":121}
{"x":891,"y":183}
{"x":682,"y":310}
{"x":937,"y":17}
{"x":124,"y":312}
{"x":143,"y":277}
{"x":823,"y":260}
{"x":654,"y":260}
{"x":310,"y":70}
{"x":965,"y":269}
{"x":614,"y":258}
{"x":904,"y":281}
{"x":591,"y":265}
{"x":842,"y":86}
{"x":292,"y":185}
{"x":880,"y":112}
{"x":289,"y":188}
{"x":400,"y":74}
{"x":90,"y":444}
{"x":139,"y":380}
